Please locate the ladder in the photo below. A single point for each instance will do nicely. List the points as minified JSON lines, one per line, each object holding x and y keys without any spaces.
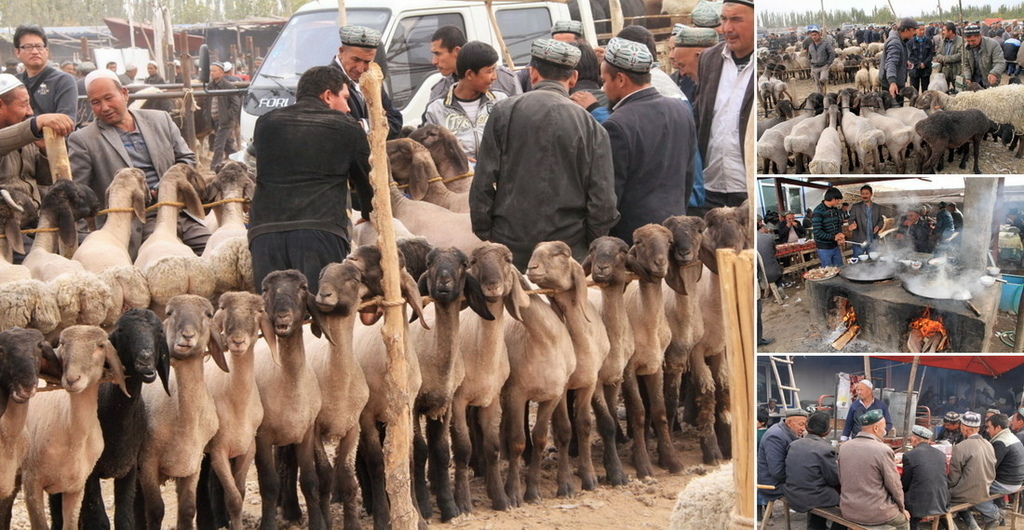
{"x":790,"y":385}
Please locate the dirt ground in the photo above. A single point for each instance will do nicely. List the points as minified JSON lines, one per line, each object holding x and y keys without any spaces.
{"x":994,"y":157}
{"x":639,"y":504}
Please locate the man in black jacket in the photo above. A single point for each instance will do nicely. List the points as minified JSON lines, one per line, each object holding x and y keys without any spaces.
{"x":306,"y":156}
{"x":1009,"y":465}
{"x":358,"y":49}
{"x":653,"y":184}
{"x":924,"y":478}
{"x":223,"y":112}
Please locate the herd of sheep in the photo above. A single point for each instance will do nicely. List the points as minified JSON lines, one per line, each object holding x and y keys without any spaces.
{"x":864,"y":125}
{"x":129,"y":341}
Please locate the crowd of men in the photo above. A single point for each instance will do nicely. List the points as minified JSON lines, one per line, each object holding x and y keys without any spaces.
{"x":797,"y":461}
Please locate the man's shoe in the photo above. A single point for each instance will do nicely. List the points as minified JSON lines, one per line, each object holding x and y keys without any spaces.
{"x":765,"y":342}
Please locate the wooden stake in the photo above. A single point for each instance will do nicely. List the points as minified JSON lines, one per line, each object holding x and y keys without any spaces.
{"x":399,"y":427}
{"x":505,"y":54}
{"x":615,"y":13}
{"x":189,"y":109}
{"x":57,"y":153}
{"x":908,"y":417}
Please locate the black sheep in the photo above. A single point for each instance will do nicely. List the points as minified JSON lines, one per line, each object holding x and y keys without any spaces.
{"x":951,"y":129}
{"x":142,"y":349}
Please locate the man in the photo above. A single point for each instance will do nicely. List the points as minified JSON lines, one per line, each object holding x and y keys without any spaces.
{"x":872,"y":492}
{"x":465,"y":109}
{"x":112,"y":66}
{"x":921,"y":51}
{"x":49,"y":89}
{"x":567,"y":31}
{"x":1011,"y":47}
{"x":154,"y":77}
{"x":1017,"y":424}
{"x":983,"y":59}
{"x":821,"y":54}
{"x":1009,"y":454}
{"x":865,"y":221}
{"x":544,"y":169}
{"x":827,"y":227}
{"x":972,"y":469}
{"x":128,"y":77}
{"x":924,"y":478}
{"x":23,"y":164}
{"x":771,"y":454}
{"x":656,"y":184}
{"x":690,"y":42}
{"x":790,"y":230}
{"x":807,"y":221}
{"x":358,"y":49}
{"x":119,"y":138}
{"x":943,"y":222}
{"x":224,"y":113}
{"x":772,"y":410}
{"x":812,"y":472}
{"x":445,"y":45}
{"x":951,"y":429}
{"x":844,"y":212}
{"x":69,"y":67}
{"x":306,"y":156}
{"x":892,"y":71}
{"x":724,"y":100}
{"x":864,"y":403}
{"x":957,"y":215}
{"x":659,"y":79}
{"x":915,"y":232}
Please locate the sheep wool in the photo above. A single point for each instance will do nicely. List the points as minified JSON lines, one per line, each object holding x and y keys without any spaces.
{"x":28,"y":304}
{"x":1002,"y":104}
{"x":705,"y":502}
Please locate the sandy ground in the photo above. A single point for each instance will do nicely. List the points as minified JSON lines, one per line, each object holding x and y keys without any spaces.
{"x":639,"y":504}
{"x":994,"y":158}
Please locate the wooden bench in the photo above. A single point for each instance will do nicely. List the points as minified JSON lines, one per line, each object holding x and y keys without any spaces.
{"x":833,"y":514}
{"x":1012,"y":513}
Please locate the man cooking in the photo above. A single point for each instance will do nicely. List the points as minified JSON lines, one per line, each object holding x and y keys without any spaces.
{"x":828,"y":229}
{"x":865,"y":221}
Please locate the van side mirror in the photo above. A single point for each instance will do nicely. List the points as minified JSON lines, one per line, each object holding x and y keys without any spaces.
{"x":204,"y":64}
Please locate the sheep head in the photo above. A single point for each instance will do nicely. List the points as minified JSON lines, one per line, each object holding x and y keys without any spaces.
{"x":727,"y":228}
{"x":648,"y":258}
{"x":443,"y":146}
{"x":23,"y":352}
{"x":64,"y":205}
{"x":447,"y":279}
{"x":553,"y":267}
{"x":606,"y":260}
{"x":182,"y":183}
{"x":131,"y":182}
{"x":142,"y":347}
{"x":491,"y":265}
{"x":14,"y":210}
{"x":414,"y":250}
{"x":687,"y":240}
{"x":84,"y":352}
{"x":285,"y":294}
{"x":189,"y":329}
{"x":236,"y":324}
{"x":412,"y":165}
{"x":367,"y":259}
{"x":233,"y":180}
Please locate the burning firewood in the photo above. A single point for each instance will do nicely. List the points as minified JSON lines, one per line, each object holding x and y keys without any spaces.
{"x":846,"y":337}
{"x":927,"y":335}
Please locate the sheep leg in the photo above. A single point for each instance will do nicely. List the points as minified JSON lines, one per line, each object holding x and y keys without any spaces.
{"x":462,"y":450}
{"x":977,"y":148}
{"x":232,"y":498}
{"x":324,"y":474}
{"x":637,"y":421}
{"x":56,"y":512}
{"x":723,"y":404}
{"x":490,"y":422}
{"x":124,"y":501}
{"x":7,"y":511}
{"x":149,"y":482}
{"x":419,"y":470}
{"x":513,"y":429}
{"x":186,"y":488}
{"x":606,"y":429}
{"x":476,"y":434}
{"x":345,"y":477}
{"x":287,"y":470}
{"x":673,"y":380}
{"x":667,"y":457}
{"x":309,"y":481}
{"x":270,"y":482}
{"x":705,"y":405}
{"x":440,"y":459}
{"x":563,"y":432}
{"x":938,"y":150}
{"x":1020,"y":146}
{"x":584,"y":430}
{"x":373,"y":453}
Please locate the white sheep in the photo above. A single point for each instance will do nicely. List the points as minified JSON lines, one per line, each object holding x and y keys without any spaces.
{"x":412,"y":166}
{"x":862,"y":141}
{"x":442,"y":227}
{"x":771,"y":147}
{"x":937,"y":82}
{"x":63,"y":205}
{"x":450,"y":159}
{"x":874,"y":49}
{"x":678,"y":7}
{"x":65,"y":438}
{"x":231,"y":266}
{"x":706,"y":503}
{"x":364,"y":233}
{"x":803,"y":140}
{"x":232,"y":183}
{"x":108,"y":246}
{"x":876,"y":83}
{"x":862,"y":79}
{"x":29,"y":304}
{"x":1002,"y":104}
{"x":828,"y":154}
{"x":897,"y":135}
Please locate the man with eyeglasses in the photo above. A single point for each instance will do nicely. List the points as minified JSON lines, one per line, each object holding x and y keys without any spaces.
{"x":50,"y":90}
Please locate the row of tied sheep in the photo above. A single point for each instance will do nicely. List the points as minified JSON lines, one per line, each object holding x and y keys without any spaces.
{"x":793,"y":62}
{"x":546,"y":356}
{"x":818,"y":132}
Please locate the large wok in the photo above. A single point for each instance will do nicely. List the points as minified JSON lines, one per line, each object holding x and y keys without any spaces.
{"x":936,"y":288}
{"x":870,"y":271}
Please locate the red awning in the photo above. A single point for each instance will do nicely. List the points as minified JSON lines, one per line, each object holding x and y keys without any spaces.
{"x":989,"y":365}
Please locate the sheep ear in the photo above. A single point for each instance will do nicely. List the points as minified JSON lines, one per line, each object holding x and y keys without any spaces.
{"x":114,"y":365}
{"x":318,"y":326}
{"x":587,"y":264}
{"x":12,"y":231}
{"x":139,"y":205}
{"x":248,"y":189}
{"x":217,"y":352}
{"x":213,"y":191}
{"x":66,"y":226}
{"x":674,"y":278}
{"x":267,"y":327}
{"x":190,"y":197}
{"x":579,"y":280}
{"x":411,"y":293}
{"x":633,"y":265}
{"x":517,"y":298}
{"x":217,"y":329}
{"x":420,"y":174}
{"x":475,"y":296}
{"x":163,"y":361}
{"x":422,"y":286}
{"x":707,"y":256}
{"x":49,"y":363}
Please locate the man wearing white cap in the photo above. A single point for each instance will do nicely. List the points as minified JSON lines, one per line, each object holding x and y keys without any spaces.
{"x":771,"y":454}
{"x":223,"y":113}
{"x":865,"y":402}
{"x":358,"y":49}
{"x":972,"y":469}
{"x":154,"y":77}
{"x":23,"y":164}
{"x":924,"y":477}
{"x":119,"y":138}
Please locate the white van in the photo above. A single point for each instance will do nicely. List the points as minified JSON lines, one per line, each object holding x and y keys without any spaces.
{"x":311,"y":39}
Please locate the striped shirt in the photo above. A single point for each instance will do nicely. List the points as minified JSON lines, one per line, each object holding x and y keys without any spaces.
{"x":826,"y":223}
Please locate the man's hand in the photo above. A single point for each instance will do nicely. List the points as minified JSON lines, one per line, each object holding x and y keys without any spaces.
{"x":599,"y":51}
{"x":877,"y":228}
{"x":583,"y":98}
{"x":906,"y":514}
{"x":893,"y":89}
{"x":853,"y":225}
{"x":60,"y":123}
{"x":992,"y":79}
{"x":840,"y":237}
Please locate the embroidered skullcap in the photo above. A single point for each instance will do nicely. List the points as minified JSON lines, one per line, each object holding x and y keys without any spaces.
{"x":951,"y":417}
{"x":796,"y":412}
{"x":677,"y":28}
{"x":871,"y":417}
{"x":8,"y":83}
{"x":749,"y":3}
{"x":971,"y":419}
{"x":555,"y":52}
{"x":100,"y":74}
{"x":922,"y":431}
{"x":972,"y":30}
{"x":696,"y":37}
{"x":227,"y":66}
{"x":866,"y":382}
{"x":628,"y":55}
{"x":218,"y":64}
{"x":568,"y":26}
{"x":360,"y":36}
{"x":707,"y":14}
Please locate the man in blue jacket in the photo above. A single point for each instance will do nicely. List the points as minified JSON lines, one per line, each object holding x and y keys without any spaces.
{"x":771,"y":454}
{"x":893,"y":69}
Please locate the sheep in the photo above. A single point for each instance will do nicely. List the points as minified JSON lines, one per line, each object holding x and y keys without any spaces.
{"x":780,"y":90}
{"x":828,"y":154}
{"x":364,"y":232}
{"x":231,"y":266}
{"x":289,"y":392}
{"x":803,"y":139}
{"x":142,"y":350}
{"x":785,"y":112}
{"x":485,"y":355}
{"x":442,"y":227}
{"x":931,"y":101}
{"x":183,"y":420}
{"x":412,"y":167}
{"x":1003,"y":104}
{"x":128,"y":290}
{"x":233,"y":182}
{"x":649,"y":260}
{"x":853,"y":50}
{"x":552,"y":267}
{"x":897,"y":135}
{"x":64,"y":433}
{"x":764,"y":90}
{"x":236,"y":326}
{"x":876,"y":83}
{"x":706,"y":502}
{"x":863,"y":140}
{"x":862,"y":79}
{"x":29,"y":304}
{"x":771,"y":146}
{"x":952,"y":129}
{"x":874,"y":48}
{"x":909,"y":95}
{"x":451,"y":161}
{"x":937,"y":82}
{"x":11,"y":215}
{"x":108,"y":246}
{"x":62,"y":207}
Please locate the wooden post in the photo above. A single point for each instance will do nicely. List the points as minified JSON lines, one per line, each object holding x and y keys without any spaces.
{"x":85,"y":49}
{"x":57,"y":153}
{"x":736,"y":270}
{"x":615,"y":13}
{"x":505,"y":54}
{"x":250,"y":64}
{"x":587,"y":18}
{"x":342,"y":15}
{"x":398,"y":442}
{"x":189,"y":118}
{"x":908,"y":417}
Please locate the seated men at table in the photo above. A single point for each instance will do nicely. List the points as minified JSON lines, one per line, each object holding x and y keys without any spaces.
{"x":790,"y":230}
{"x":771,"y":454}
{"x":972,"y":469}
{"x":865,"y":402}
{"x":924,"y":478}
{"x":772,"y":409}
{"x":984,"y":423}
{"x":951,"y":429}
{"x":1017,"y":424}
{"x":872,"y":493}
{"x":915,"y":232}
{"x":1009,"y":464}
{"x":812,"y":472}
{"x":828,"y":229}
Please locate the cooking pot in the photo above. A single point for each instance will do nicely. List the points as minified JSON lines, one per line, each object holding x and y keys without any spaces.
{"x":869,"y":271}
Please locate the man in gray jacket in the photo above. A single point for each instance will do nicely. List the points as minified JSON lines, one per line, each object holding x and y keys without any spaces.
{"x":865,"y":221}
{"x":893,"y":67}
{"x":983,"y":60}
{"x":812,"y":472}
{"x":972,"y":469}
{"x":872,"y":493}
{"x":821,"y":53}
{"x":948,"y":52}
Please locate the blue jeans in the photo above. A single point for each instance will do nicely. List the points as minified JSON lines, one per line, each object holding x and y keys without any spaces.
{"x":832,"y":257}
{"x":988,"y":509}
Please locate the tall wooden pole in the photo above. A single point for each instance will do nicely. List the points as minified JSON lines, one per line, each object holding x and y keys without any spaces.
{"x":615,"y":13}
{"x":57,"y":153}
{"x":908,"y":417}
{"x":505,"y":54}
{"x":189,"y":117}
{"x":399,"y":425}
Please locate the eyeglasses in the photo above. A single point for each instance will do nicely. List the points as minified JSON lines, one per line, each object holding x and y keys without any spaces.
{"x":32,"y":47}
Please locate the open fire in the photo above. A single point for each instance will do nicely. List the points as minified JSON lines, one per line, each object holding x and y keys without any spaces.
{"x":926,"y":334}
{"x":844,"y":319}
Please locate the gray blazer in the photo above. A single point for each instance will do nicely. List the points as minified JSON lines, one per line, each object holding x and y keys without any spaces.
{"x":96,"y":151}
